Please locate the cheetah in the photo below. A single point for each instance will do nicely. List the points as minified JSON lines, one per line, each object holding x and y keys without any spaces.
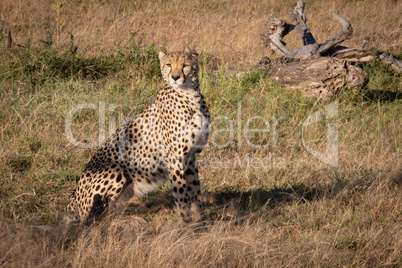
{"x":160,"y":144}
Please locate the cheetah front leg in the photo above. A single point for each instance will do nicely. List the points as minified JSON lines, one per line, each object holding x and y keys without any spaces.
{"x":179,"y":190}
{"x":193,"y":187}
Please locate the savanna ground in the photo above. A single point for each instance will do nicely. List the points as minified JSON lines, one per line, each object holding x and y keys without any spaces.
{"x":272,"y":202}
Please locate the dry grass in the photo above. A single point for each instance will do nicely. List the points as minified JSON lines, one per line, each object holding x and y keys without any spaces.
{"x":304,"y":214}
{"x":229,"y":30}
{"x":358,"y":225}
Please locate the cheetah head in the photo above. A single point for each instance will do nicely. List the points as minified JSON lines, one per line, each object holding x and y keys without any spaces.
{"x":180,"y":69}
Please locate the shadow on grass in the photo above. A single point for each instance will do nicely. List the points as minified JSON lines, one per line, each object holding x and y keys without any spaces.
{"x":19,"y":163}
{"x":235,"y":201}
{"x":228,"y":205}
{"x":382,"y":95}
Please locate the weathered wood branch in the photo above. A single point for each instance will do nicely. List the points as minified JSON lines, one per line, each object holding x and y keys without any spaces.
{"x":391,"y":62}
{"x":354,"y":54}
{"x":346,"y":33}
{"x":299,"y":19}
{"x":274,"y":38}
{"x":364,"y":43}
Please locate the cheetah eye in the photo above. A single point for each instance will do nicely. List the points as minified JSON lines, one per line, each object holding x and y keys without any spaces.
{"x":186,"y":65}
{"x":168,"y":65}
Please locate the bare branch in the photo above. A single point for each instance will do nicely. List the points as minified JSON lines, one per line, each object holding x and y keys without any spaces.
{"x":346,"y":33}
{"x":393,"y":63}
{"x":363,"y":44}
{"x":277,"y":30}
{"x":279,"y":27}
{"x":277,"y":42}
{"x":276,"y":49}
{"x":354,"y":54}
{"x":365,"y":55}
{"x":299,"y":9}
{"x":304,"y":52}
{"x":299,"y":19}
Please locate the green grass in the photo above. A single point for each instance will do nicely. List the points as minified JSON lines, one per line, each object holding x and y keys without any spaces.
{"x":34,"y":66}
{"x":291,"y":210}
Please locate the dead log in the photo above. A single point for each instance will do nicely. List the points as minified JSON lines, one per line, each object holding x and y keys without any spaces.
{"x":320,"y":66}
{"x":320,"y":77}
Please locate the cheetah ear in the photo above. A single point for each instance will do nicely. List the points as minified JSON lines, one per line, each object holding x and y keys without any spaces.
{"x":196,"y":54}
{"x":161,"y":55}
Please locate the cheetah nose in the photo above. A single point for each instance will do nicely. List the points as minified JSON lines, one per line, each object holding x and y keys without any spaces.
{"x":175,"y":77}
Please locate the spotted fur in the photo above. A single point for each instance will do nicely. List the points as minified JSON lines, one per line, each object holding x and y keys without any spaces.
{"x":161,"y":143}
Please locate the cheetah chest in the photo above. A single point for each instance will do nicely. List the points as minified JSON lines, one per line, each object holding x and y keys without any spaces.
{"x":199,"y":130}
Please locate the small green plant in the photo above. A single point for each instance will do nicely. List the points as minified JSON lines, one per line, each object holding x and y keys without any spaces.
{"x":145,"y":59}
{"x":60,"y":21}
